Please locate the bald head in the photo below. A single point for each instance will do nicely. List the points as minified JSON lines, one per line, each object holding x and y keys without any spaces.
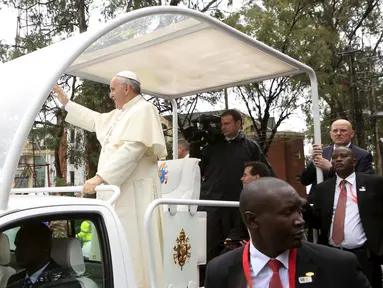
{"x":341,"y":132}
{"x":258,"y":195}
{"x":344,"y":122}
{"x":271,"y":210}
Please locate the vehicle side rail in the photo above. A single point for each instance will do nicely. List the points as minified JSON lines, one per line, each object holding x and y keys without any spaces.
{"x":69,"y":189}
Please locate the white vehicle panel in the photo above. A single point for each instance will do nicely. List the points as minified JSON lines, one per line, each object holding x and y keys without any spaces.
{"x":123,"y":276}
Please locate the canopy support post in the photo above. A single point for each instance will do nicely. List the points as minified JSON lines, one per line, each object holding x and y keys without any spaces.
{"x":316,"y":118}
{"x":317,"y":129}
{"x":175,"y":128}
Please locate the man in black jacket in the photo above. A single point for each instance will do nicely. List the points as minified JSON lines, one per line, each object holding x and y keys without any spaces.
{"x":276,"y":256}
{"x":33,"y":252}
{"x":348,"y":211}
{"x":221,"y":170}
{"x":341,"y":135}
{"x":239,"y":235}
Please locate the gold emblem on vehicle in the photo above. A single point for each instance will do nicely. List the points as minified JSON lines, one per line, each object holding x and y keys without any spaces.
{"x":182,"y":249}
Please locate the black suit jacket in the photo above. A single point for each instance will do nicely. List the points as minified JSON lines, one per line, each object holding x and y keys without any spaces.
{"x":332,"y":268}
{"x":363,"y":164}
{"x":370,"y":202}
{"x":52,"y":276}
{"x":239,"y":231}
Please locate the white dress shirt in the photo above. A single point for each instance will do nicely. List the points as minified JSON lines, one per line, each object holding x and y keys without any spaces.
{"x":348,"y":146}
{"x":354,"y":236}
{"x":261,"y":272}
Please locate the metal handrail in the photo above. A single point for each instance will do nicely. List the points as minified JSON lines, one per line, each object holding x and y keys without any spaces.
{"x":70,"y":189}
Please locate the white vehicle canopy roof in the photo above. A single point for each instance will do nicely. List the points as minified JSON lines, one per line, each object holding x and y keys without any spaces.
{"x":178,"y":55}
{"x":174,"y":51}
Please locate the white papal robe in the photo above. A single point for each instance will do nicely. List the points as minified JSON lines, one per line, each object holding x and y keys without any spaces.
{"x":132,"y":140}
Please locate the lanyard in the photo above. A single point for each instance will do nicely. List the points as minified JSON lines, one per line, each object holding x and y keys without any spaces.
{"x":353,"y":196}
{"x":246,"y":266}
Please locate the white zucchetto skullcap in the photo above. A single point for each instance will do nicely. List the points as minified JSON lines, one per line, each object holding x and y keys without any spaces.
{"x":129,"y":75}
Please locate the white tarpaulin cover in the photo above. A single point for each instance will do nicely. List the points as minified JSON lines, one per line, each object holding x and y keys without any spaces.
{"x":175,"y":52}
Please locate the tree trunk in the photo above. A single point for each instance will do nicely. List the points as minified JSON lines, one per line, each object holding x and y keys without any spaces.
{"x":59,"y":173}
{"x":60,"y":133}
{"x":92,"y":150}
{"x":81,"y":16}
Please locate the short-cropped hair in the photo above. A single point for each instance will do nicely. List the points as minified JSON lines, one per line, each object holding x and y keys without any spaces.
{"x":258,"y":168}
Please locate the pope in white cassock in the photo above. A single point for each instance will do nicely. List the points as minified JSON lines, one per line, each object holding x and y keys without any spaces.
{"x":132,"y":140}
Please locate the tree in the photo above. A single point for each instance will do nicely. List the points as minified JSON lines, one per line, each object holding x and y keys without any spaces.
{"x":285,"y":26}
{"x":186,"y":108}
{"x":40,"y":24}
{"x":346,"y":25}
{"x":112,"y":8}
{"x":334,"y":38}
{"x":263,"y":102}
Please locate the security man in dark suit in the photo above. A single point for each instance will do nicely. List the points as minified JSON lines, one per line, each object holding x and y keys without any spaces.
{"x":239,"y":235}
{"x":348,"y":211}
{"x":276,"y":257}
{"x":221,"y":170}
{"x":33,"y":249}
{"x":341,"y":134}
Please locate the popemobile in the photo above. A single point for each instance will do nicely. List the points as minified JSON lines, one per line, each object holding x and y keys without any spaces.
{"x":153,"y":43}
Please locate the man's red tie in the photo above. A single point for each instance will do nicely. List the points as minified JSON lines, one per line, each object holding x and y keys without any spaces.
{"x":275,"y":281}
{"x":340,"y":214}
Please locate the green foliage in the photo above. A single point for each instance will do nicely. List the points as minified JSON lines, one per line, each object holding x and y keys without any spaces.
{"x":320,"y":34}
{"x":95,"y":96}
{"x":112,"y":8}
{"x":345,"y":28}
{"x":60,"y":182}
